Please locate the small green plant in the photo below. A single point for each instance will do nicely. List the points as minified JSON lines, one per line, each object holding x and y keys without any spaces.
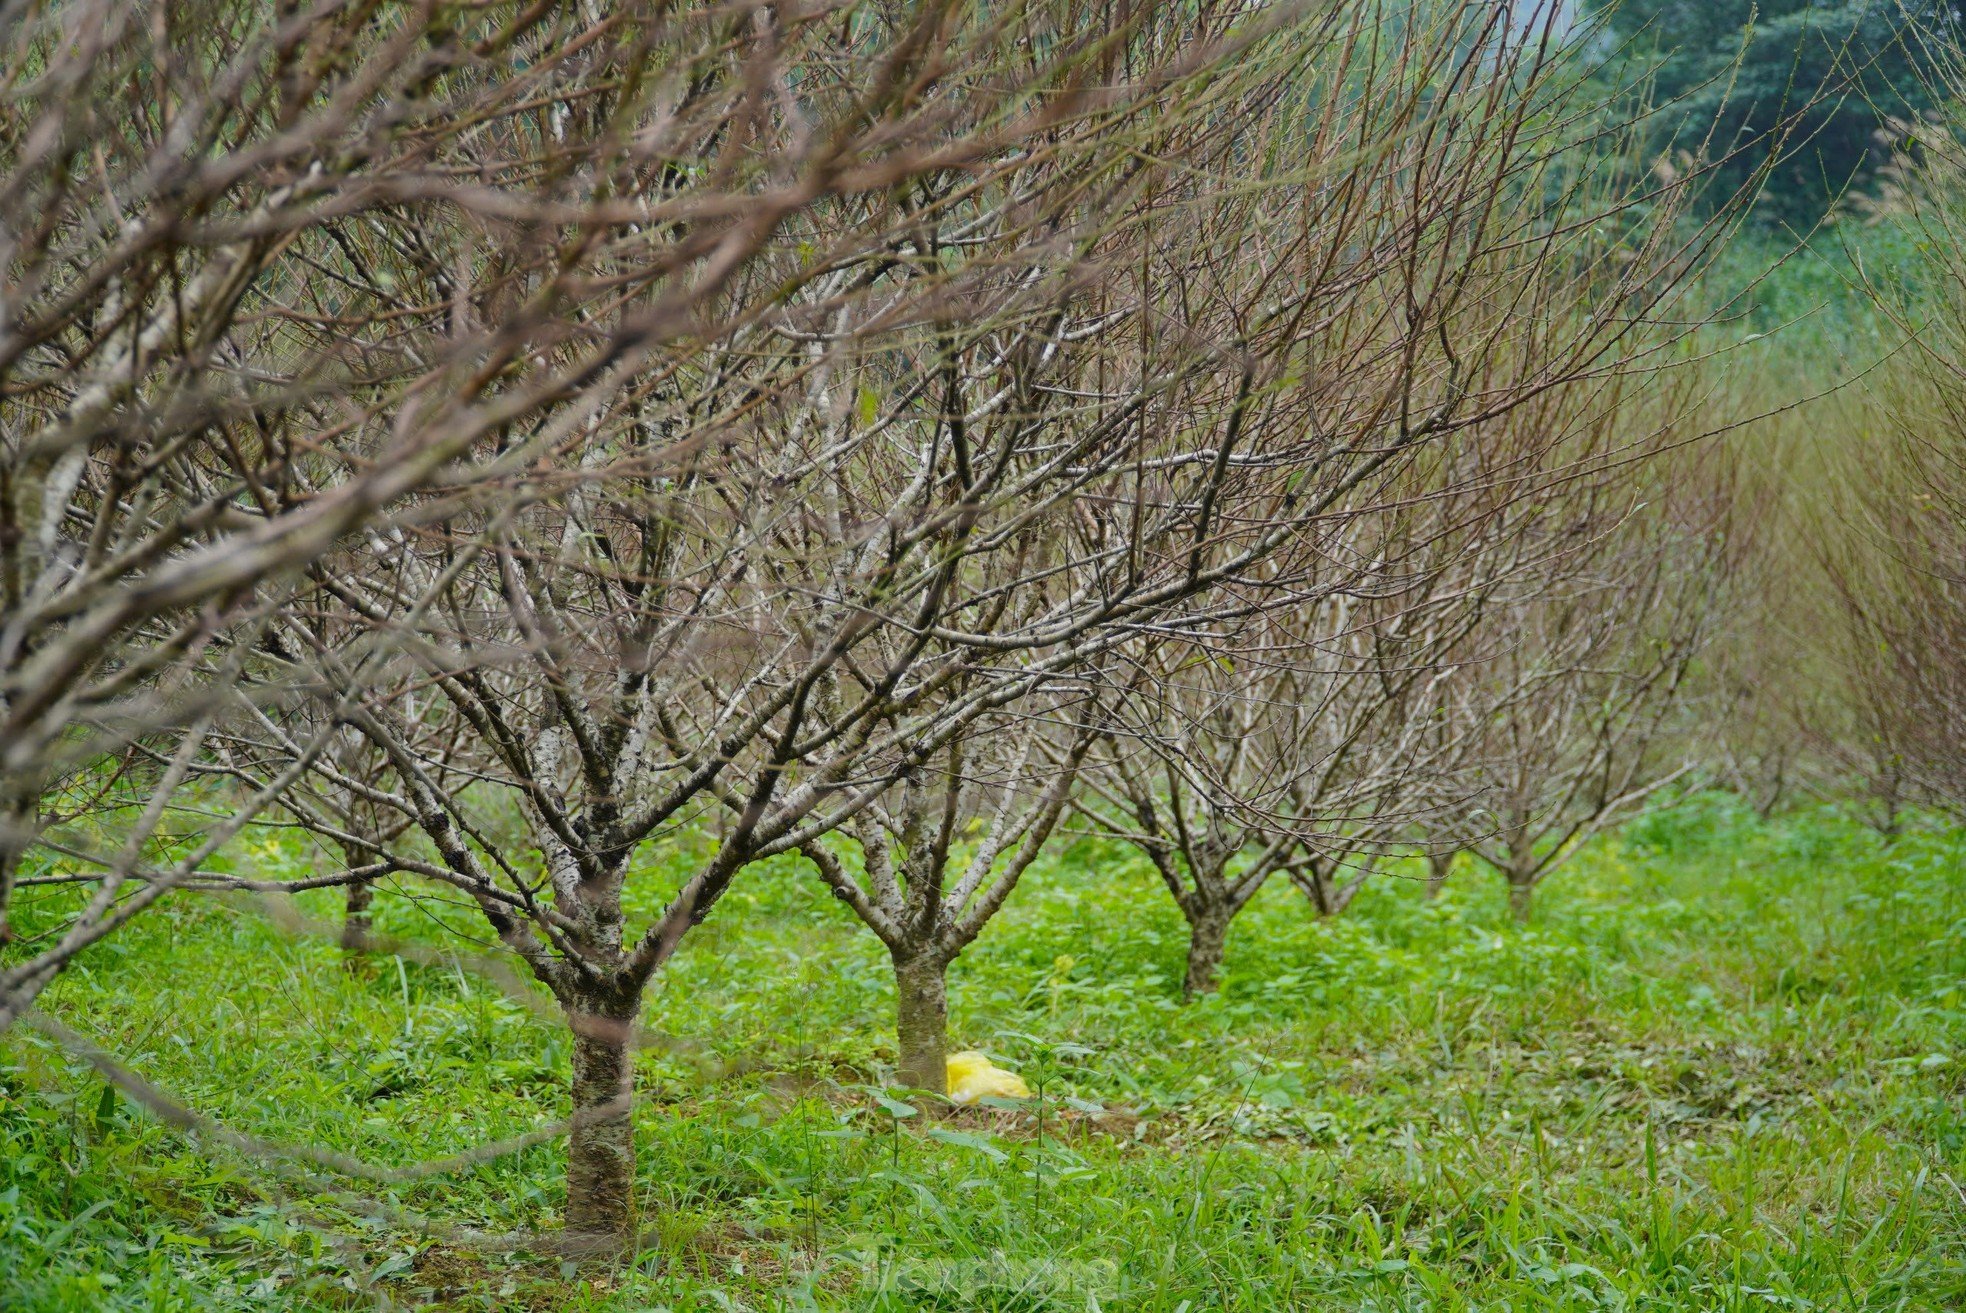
{"x":1712,"y":1075}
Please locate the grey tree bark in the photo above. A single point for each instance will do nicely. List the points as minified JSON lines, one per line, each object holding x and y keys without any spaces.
{"x":601,"y":1146}
{"x":922,"y":1020}
{"x":1208,"y":935}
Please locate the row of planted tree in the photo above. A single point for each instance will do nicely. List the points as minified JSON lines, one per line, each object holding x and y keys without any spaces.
{"x":508,"y":440}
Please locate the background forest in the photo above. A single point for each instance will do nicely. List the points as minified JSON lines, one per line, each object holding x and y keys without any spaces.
{"x":1008,"y":657}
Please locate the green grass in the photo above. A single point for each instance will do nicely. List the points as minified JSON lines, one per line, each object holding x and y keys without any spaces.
{"x":1723,"y":1070}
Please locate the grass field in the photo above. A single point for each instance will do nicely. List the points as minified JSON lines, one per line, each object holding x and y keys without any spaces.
{"x":1724,"y":1069}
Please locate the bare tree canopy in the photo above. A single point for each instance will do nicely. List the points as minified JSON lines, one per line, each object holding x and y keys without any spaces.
{"x":515,"y":442}
{"x":354,"y":270}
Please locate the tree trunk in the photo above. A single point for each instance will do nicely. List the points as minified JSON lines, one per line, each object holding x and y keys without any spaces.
{"x":355,"y":923}
{"x":1521,"y":872}
{"x":1776,"y":789}
{"x":1208,"y":932}
{"x":601,"y":1147}
{"x":1520,"y":893}
{"x":1438,"y":866}
{"x":1315,"y":885}
{"x":921,"y":1021}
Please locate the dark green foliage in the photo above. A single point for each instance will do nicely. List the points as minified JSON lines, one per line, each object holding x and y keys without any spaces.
{"x":1733,"y":72}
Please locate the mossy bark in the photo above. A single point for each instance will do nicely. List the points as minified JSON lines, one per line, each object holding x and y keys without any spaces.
{"x":921,"y":1021}
{"x":601,"y":1146}
{"x":1208,"y":935}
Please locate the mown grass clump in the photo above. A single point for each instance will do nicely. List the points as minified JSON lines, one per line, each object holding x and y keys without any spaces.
{"x":1723,"y":1069}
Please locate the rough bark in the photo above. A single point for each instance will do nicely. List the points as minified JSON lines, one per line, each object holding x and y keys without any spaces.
{"x":921,"y":1021}
{"x":355,"y":923}
{"x":601,"y":1147}
{"x":1208,"y":932}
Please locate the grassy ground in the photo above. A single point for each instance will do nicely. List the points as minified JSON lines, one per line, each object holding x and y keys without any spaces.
{"x":1724,"y":1070}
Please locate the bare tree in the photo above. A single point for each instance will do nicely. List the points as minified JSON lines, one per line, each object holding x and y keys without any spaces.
{"x":943,"y":850}
{"x":1310,"y":739}
{"x":1337,"y":337}
{"x":232,"y":336}
{"x":721,"y":421}
{"x":1890,"y":540}
{"x":1575,"y":709}
{"x":797,"y":553}
{"x":1289,"y":750}
{"x":1892,"y":706}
